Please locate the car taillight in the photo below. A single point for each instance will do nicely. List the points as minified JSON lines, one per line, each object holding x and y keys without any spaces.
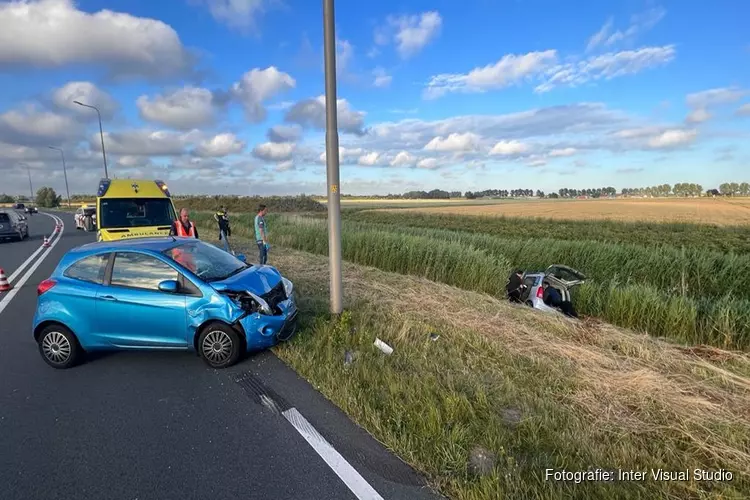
{"x":540,"y":293}
{"x":45,"y":286}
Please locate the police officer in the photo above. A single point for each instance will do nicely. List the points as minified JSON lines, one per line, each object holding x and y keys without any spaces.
{"x":225,"y":230}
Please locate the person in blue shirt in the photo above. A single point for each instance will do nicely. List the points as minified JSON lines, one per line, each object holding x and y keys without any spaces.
{"x":553,"y":298}
{"x":261,"y":237}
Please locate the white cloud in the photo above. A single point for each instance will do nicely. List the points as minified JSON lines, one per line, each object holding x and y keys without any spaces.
{"x":87,"y":93}
{"x":258,"y":86}
{"x":369,"y":159}
{"x":543,"y":67}
{"x":220,"y":145}
{"x":699,"y":115}
{"x":744,"y":110}
{"x":311,"y":113}
{"x":563,"y":152}
{"x":236,"y":14}
{"x":410,"y":33}
{"x":606,"y":66}
{"x":454,"y":143}
{"x":344,"y":154}
{"x":509,"y":70}
{"x":184,"y":108}
{"x":284,"y":133}
{"x":32,"y":127}
{"x":428,"y":163}
{"x":54,"y":33}
{"x":638,"y":24}
{"x":285,"y":166}
{"x":403,"y":159}
{"x":672,"y":138}
{"x":146,"y":142}
{"x":715,"y":97}
{"x":274,"y":151}
{"x":382,"y":79}
{"x":509,"y":148}
{"x":344,"y":55}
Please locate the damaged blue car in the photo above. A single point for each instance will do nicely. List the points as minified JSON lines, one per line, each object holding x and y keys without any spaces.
{"x":161,"y":293}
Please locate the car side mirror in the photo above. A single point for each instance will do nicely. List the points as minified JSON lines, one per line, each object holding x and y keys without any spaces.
{"x":169,"y":286}
{"x":241,"y":257}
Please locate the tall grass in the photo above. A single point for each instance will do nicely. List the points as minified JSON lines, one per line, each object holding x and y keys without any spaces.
{"x":698,"y":236}
{"x":669,"y":301}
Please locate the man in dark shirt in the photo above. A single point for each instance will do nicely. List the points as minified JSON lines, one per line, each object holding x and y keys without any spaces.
{"x":515,"y":286}
{"x":553,"y":298}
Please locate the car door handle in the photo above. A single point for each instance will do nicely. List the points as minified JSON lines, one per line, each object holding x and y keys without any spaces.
{"x":107,"y":297}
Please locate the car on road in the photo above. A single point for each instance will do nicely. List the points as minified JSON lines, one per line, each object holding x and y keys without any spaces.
{"x":31,"y":210}
{"x":13,"y":226}
{"x":563,"y":278}
{"x":161,"y":293}
{"x":85,"y":218}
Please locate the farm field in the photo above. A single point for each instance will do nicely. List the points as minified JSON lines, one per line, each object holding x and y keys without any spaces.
{"x":530,"y":391}
{"x":719,"y":211}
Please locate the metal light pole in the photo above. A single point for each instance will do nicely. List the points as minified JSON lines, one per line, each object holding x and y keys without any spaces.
{"x":65,"y":172}
{"x":332,"y":159}
{"x":31,"y":189}
{"x":101,"y":134}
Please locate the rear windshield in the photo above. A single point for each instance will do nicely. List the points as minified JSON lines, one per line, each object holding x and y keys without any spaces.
{"x":135,"y":212}
{"x":89,"y":211}
{"x":4,"y":217}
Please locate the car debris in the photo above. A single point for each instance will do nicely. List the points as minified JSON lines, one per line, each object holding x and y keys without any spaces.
{"x":385,"y":348}
{"x":434,"y":336}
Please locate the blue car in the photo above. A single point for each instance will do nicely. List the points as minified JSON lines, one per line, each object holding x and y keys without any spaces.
{"x":161,"y":293}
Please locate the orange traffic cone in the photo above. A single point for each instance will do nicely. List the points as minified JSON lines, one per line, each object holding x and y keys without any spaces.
{"x":4,"y":285}
{"x":46,"y":242}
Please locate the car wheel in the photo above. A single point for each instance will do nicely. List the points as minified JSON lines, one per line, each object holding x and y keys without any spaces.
{"x":219,"y":345}
{"x":59,"y":347}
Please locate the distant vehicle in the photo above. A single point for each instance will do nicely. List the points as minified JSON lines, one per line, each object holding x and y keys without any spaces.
{"x":85,"y":218}
{"x":19,"y":206}
{"x":161,"y":293}
{"x":128,"y":208}
{"x":563,"y":278}
{"x":13,"y":225}
{"x":31,"y":210}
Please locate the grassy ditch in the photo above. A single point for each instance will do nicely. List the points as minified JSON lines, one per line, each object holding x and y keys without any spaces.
{"x":505,"y":393}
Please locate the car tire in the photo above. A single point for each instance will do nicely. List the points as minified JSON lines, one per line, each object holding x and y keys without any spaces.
{"x":219,"y":345}
{"x":529,"y":303}
{"x":59,"y":347}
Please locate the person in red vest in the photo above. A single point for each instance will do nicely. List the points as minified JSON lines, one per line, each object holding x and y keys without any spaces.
{"x":184,"y":227}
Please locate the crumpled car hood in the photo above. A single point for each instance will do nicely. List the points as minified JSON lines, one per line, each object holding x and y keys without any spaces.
{"x":256,"y":279}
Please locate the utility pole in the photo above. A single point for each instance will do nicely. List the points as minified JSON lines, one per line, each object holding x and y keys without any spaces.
{"x":65,"y":172}
{"x":31,"y":189}
{"x":101,"y":134}
{"x":332,"y":159}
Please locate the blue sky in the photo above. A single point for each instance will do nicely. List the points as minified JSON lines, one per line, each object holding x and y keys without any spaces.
{"x":226,"y":95}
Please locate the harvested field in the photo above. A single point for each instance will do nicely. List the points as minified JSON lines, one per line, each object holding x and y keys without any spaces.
{"x":717,"y":211}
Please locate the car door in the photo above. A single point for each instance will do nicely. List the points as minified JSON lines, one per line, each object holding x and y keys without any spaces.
{"x":85,"y":278}
{"x":132,"y":311}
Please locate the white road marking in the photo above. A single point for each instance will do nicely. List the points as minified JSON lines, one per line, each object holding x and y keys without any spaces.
{"x":356,"y":483}
{"x":12,"y":293}
{"x":31,"y":257}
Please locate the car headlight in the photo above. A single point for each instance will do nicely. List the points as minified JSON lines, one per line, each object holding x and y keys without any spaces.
{"x":288,"y":287}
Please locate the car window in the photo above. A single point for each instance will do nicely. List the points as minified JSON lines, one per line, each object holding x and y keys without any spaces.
{"x":138,"y":270}
{"x":89,"y":269}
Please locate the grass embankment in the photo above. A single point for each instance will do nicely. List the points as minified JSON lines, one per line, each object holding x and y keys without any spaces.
{"x":697,"y":236}
{"x":533,"y":391}
{"x":691,"y":296}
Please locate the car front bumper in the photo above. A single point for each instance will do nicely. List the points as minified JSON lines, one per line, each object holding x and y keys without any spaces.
{"x":263,"y":331}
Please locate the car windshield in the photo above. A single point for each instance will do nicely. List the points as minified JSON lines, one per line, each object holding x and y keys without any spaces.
{"x":206,"y":261}
{"x":136,"y":212}
{"x":89,"y":211}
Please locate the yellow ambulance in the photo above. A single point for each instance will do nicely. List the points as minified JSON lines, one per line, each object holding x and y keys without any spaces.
{"x":128,"y":208}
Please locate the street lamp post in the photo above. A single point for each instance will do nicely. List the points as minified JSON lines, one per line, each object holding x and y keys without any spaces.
{"x":332,"y":159}
{"x":65,"y":171}
{"x":31,"y":189}
{"x":101,"y":134}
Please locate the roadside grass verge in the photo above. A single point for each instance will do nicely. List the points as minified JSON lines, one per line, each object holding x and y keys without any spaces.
{"x":672,"y":310}
{"x":697,"y":236}
{"x":530,"y":391}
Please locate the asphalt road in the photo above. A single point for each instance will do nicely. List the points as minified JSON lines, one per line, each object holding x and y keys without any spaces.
{"x":162,"y":426}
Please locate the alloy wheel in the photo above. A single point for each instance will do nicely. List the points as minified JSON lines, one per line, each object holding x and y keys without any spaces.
{"x":217,"y":347}
{"x":56,"y":347}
